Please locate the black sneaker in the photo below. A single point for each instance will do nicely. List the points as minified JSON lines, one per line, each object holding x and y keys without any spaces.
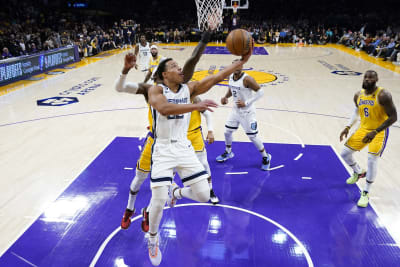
{"x":213,"y":198}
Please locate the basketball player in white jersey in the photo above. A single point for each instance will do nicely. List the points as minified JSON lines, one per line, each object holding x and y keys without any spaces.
{"x":171,"y":107}
{"x":143,"y":165}
{"x":375,"y":107}
{"x":245,"y":91}
{"x":155,"y":59}
{"x":142,"y":52}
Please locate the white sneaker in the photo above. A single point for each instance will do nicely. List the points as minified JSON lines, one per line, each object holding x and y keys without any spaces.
{"x":171,"y":199}
{"x":154,"y":250}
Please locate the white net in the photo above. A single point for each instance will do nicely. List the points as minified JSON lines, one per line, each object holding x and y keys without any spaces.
{"x":209,"y":14}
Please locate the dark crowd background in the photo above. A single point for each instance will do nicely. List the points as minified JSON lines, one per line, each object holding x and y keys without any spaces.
{"x":27,"y":27}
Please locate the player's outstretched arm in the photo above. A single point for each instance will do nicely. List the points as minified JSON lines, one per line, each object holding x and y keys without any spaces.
{"x":198,"y":88}
{"x":158,"y":101}
{"x":190,"y":64}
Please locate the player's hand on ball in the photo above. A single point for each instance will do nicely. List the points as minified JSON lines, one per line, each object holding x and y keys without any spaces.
{"x":224,"y":101}
{"x":240,"y":104}
{"x":210,"y":137}
{"x":246,"y":57}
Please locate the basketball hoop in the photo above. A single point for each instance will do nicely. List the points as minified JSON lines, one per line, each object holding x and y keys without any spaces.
{"x":209,"y":14}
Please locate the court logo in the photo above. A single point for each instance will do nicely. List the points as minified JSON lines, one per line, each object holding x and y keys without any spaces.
{"x":346,"y":72}
{"x":262,"y":77}
{"x":57,"y":101}
{"x":339,"y":69}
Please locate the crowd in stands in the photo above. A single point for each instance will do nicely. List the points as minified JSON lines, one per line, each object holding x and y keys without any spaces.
{"x":27,"y":29}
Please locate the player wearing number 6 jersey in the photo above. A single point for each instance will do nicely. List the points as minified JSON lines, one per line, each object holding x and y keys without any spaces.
{"x":374,"y":105}
{"x":245,"y":91}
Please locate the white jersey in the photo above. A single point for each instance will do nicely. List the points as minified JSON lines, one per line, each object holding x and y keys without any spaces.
{"x":240,"y":92}
{"x":144,"y":56}
{"x":172,"y":127}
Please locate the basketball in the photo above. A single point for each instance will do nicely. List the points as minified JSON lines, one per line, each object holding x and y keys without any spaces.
{"x":238,"y":42}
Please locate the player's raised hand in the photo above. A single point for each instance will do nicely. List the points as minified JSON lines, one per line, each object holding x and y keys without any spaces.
{"x":130,"y":61}
{"x":246,"y":57}
{"x":206,"y":104}
{"x":344,"y":133}
{"x":224,"y":100}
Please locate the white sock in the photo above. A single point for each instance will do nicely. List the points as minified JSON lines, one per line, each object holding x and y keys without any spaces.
{"x":259,"y":145}
{"x":263,"y":153}
{"x":135,"y":186}
{"x":228,"y":138}
{"x":371,"y":172}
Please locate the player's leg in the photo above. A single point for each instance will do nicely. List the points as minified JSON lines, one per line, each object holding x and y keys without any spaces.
{"x":231,"y":125}
{"x":193,"y":176}
{"x":161,"y":176}
{"x":196,"y":138}
{"x":158,"y":199}
{"x":375,"y":150}
{"x":202,"y":156}
{"x":142,"y":171}
{"x":354,"y":143}
{"x":249,"y":124}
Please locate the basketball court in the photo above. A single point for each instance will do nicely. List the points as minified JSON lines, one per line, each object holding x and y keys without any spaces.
{"x":70,"y":144}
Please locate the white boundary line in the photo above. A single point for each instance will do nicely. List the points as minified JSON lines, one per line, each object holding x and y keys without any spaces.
{"x":128,"y":168}
{"x":277,"y":167}
{"x":304,"y":250}
{"x":236,"y":173}
{"x":298,"y":156}
{"x":24,"y":260}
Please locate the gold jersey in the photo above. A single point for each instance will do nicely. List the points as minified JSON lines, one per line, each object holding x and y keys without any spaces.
{"x":154,"y":63}
{"x":372,"y":114}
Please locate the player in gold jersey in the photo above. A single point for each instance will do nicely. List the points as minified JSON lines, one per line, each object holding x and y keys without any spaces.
{"x":374,"y":105}
{"x":194,"y":133}
{"x":155,"y":59}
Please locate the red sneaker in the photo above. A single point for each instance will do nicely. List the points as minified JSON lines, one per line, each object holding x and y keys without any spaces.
{"x":145,"y":221}
{"x":126,"y":220}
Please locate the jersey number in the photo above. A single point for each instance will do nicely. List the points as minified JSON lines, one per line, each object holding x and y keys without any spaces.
{"x":175,"y":117}
{"x":366,"y":114}
{"x":144,"y":53}
{"x":234,"y":93}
